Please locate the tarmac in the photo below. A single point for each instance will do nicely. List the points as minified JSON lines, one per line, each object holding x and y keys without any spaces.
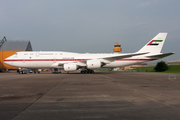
{"x":98,"y":96}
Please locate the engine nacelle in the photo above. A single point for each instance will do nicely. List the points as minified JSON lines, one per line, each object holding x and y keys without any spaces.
{"x":70,"y":67}
{"x":91,"y":64}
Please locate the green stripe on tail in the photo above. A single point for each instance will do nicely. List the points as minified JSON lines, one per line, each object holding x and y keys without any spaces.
{"x":158,"y":40}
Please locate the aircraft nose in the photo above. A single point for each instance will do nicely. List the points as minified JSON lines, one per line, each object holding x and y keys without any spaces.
{"x":7,"y":61}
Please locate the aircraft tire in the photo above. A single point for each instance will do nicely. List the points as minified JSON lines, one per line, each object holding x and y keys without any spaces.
{"x":87,"y":71}
{"x":21,"y":72}
{"x":90,"y":71}
{"x":83,"y":71}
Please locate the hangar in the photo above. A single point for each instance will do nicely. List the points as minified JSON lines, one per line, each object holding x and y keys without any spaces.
{"x":8,"y":48}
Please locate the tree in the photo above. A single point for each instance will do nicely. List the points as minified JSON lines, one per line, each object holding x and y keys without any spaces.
{"x":161,"y":66}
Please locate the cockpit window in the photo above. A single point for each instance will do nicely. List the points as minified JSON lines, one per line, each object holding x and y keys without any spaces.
{"x":16,"y":54}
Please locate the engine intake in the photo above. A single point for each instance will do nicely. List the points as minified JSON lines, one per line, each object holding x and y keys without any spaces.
{"x":70,"y":67}
{"x":91,"y":64}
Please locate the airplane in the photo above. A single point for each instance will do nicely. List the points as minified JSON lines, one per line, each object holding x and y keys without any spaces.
{"x":69,"y":61}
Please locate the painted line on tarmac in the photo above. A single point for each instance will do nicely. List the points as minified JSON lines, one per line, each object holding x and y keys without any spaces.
{"x":172,"y":77}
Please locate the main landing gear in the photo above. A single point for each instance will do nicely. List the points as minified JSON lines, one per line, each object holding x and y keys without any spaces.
{"x":87,"y":71}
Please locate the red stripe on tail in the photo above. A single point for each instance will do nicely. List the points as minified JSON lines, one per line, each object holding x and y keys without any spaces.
{"x":150,"y":42}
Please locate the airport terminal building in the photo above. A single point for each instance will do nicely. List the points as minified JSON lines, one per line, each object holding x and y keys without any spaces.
{"x":8,"y":48}
{"x":174,"y":62}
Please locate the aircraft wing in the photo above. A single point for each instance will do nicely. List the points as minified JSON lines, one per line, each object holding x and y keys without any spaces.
{"x":161,"y":55}
{"x":107,"y":60}
{"x":112,"y":58}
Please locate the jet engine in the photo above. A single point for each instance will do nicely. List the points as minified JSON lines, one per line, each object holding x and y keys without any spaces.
{"x":91,"y":64}
{"x":70,"y":67}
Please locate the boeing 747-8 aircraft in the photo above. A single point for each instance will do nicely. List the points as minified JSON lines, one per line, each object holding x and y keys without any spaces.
{"x":87,"y":62}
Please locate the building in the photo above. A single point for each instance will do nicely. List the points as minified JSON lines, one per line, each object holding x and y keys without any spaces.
{"x":130,"y":67}
{"x":8,"y":48}
{"x":117,"y":48}
{"x":175,"y":62}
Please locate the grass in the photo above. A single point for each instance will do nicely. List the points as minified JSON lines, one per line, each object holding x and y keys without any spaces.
{"x":171,"y":69}
{"x":102,"y":69}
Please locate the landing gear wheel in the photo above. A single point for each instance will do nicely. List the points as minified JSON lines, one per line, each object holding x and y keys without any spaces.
{"x":83,"y":71}
{"x":87,"y":71}
{"x":91,"y":71}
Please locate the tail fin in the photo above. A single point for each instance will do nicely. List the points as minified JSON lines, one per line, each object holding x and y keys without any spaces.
{"x":155,"y":45}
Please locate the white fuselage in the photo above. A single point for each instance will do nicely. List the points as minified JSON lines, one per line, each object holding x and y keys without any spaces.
{"x":53,"y":59}
{"x":86,"y":62}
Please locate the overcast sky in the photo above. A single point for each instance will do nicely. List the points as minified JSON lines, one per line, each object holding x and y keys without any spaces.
{"x":91,"y":25}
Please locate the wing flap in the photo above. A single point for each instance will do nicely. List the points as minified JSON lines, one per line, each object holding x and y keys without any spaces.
{"x":105,"y":60}
{"x":112,"y":58}
{"x":161,"y":55}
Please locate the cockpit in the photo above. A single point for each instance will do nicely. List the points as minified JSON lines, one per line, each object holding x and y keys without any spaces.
{"x":15,"y":54}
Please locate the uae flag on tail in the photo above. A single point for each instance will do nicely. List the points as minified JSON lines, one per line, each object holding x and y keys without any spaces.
{"x":155,"y":42}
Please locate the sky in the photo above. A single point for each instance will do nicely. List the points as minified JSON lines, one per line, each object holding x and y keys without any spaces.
{"x":91,"y":26}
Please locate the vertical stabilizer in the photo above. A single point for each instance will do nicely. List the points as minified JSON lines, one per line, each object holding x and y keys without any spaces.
{"x":155,"y":45}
